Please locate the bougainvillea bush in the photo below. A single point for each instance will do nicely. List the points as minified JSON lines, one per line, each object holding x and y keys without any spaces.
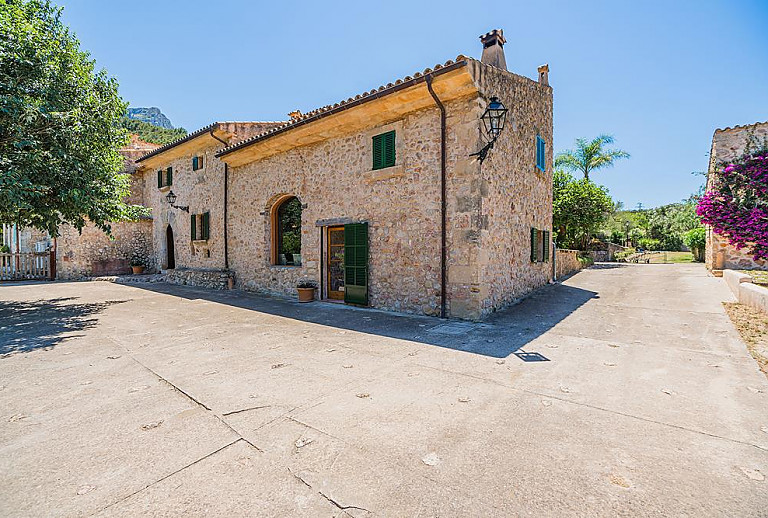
{"x":736,"y":205}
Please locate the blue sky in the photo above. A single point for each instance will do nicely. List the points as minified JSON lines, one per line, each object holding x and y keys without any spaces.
{"x":660,"y":76}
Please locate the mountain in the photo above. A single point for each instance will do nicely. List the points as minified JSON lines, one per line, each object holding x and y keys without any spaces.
{"x":150,"y":115}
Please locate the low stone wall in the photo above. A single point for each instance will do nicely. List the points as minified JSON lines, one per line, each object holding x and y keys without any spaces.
{"x":747,"y":293}
{"x":92,"y":253}
{"x":734,"y":279}
{"x":566,"y":262}
{"x":204,"y":278}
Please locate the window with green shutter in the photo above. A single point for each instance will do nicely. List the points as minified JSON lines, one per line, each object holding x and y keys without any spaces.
{"x":356,"y":263}
{"x":541,"y":159}
{"x":384,"y":150}
{"x":534,"y":245}
{"x":193,"y":226}
{"x":197,"y":163}
{"x":206,"y":217}
{"x":546,"y":246}
{"x":165,"y":177}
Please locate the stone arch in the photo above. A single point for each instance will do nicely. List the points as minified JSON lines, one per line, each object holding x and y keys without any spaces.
{"x":276,"y":207}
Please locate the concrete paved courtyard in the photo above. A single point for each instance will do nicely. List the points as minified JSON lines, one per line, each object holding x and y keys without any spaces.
{"x":624,"y":391}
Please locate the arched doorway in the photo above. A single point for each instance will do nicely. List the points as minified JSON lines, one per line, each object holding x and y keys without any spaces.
{"x":170,"y":258}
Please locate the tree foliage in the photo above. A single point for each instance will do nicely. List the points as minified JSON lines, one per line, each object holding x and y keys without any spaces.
{"x":580,"y":207}
{"x":59,"y":125}
{"x":589,"y":156}
{"x":151,"y":133}
{"x":737,"y":203}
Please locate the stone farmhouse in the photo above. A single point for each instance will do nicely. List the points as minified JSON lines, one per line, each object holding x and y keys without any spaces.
{"x":728,"y":144}
{"x":381,"y":199}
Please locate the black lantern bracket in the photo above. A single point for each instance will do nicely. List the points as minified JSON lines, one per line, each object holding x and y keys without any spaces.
{"x":171,"y":199}
{"x":493,"y":118}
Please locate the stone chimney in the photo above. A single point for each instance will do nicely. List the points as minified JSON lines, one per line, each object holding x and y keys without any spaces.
{"x":544,"y":75}
{"x":493,"y":49}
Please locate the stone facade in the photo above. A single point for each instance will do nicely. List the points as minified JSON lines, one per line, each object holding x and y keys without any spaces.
{"x":567,"y":262}
{"x":728,"y":144}
{"x":324,"y":159}
{"x":92,"y":253}
{"x":201,"y":191}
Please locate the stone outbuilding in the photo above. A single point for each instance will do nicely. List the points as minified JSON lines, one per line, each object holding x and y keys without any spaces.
{"x":729,"y":144}
{"x":409,"y":197}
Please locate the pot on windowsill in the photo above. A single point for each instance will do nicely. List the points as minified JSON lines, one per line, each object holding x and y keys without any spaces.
{"x":306,"y":291}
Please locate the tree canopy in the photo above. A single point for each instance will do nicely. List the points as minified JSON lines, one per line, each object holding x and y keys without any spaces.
{"x":580,"y":207}
{"x":59,"y":125}
{"x":589,"y":156}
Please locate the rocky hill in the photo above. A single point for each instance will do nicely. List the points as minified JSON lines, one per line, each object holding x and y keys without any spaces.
{"x":150,"y":115}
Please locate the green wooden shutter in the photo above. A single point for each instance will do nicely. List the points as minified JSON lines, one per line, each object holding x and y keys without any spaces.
{"x":356,"y":263}
{"x":193,"y":226}
{"x":533,"y":245}
{"x":546,"y":246}
{"x":389,"y":149}
{"x":378,"y":152}
{"x":159,"y":179}
{"x":206,"y":221}
{"x":169,"y":173}
{"x":194,"y":163}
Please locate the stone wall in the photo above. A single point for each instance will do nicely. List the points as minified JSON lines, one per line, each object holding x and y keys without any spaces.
{"x":566,"y":262}
{"x":212,"y":279}
{"x":202,"y":191}
{"x":334,"y":180}
{"x":728,"y":144}
{"x":514,"y":195}
{"x":93,"y":253}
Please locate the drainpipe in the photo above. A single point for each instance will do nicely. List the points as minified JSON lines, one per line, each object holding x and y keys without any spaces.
{"x":443,"y":224}
{"x":226,"y":199}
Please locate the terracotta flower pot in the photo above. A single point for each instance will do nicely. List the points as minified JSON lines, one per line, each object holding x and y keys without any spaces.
{"x":137,"y":270}
{"x":306,"y":294}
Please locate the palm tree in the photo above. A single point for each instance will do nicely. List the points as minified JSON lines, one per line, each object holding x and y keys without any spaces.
{"x":589,"y":156}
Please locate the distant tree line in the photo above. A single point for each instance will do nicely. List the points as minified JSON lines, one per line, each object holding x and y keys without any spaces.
{"x":151,"y":133}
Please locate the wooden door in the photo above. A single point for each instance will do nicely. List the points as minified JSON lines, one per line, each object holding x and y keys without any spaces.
{"x":336,"y":263}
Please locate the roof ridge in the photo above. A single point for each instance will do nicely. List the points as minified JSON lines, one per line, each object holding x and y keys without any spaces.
{"x":740,"y":126}
{"x":197,"y":133}
{"x":324,"y":109}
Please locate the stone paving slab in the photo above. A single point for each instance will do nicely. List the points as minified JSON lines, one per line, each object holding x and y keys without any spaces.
{"x":169,"y":400}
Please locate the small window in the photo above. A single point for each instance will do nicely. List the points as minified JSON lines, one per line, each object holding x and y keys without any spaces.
{"x":197,"y":163}
{"x":540,"y":245}
{"x":165,"y":177}
{"x":541,"y":157}
{"x":384,"y":150}
{"x":200,"y":226}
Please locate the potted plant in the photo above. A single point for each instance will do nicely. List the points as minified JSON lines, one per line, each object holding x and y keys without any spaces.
{"x":306,"y":291}
{"x":137,"y":265}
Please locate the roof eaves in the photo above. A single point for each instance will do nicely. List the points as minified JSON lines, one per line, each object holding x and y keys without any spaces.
{"x":325,"y":111}
{"x":176,"y":142}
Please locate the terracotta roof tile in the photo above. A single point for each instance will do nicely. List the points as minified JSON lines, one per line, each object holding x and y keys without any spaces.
{"x":378,"y":92}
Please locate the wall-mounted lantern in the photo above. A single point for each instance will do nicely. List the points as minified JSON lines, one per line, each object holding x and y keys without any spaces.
{"x":493,"y":118}
{"x":171,"y":199}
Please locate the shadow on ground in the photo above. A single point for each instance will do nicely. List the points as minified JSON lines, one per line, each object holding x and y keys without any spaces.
{"x":41,"y":324}
{"x":504,"y":333}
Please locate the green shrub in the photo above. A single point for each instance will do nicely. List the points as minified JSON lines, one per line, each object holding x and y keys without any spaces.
{"x":696,"y":240}
{"x":648,"y":243}
{"x":621,"y":256}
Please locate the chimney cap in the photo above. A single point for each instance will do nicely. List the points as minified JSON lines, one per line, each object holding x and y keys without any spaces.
{"x":493,"y":37}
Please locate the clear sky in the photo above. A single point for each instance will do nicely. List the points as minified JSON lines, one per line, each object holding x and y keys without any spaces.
{"x":660,"y":76}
